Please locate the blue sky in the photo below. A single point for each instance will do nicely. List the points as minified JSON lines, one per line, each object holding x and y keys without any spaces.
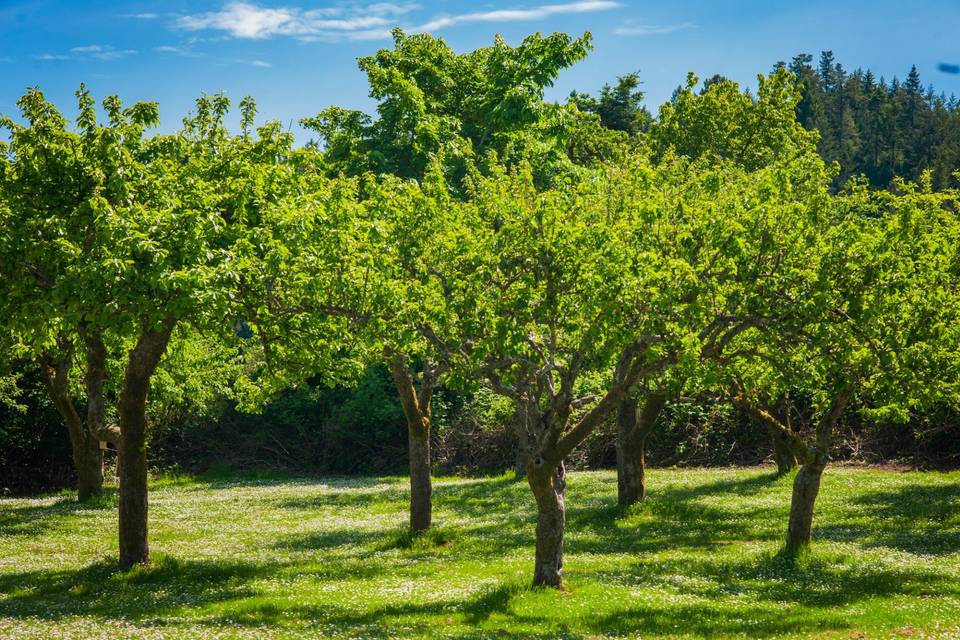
{"x":299,"y":56}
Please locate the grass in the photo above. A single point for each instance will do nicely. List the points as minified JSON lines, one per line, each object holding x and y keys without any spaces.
{"x":262,"y":557}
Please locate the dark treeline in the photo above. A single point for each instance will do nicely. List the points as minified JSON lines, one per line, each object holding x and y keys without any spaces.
{"x":878,"y":128}
{"x":870,"y":126}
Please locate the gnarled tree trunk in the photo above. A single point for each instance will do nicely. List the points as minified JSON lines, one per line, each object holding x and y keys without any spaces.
{"x":416,"y":409}
{"x":806,"y":486}
{"x":142,"y":362}
{"x":633,"y":429}
{"x":549,"y":490}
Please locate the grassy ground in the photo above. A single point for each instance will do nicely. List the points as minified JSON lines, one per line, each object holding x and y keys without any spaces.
{"x":292,"y":558}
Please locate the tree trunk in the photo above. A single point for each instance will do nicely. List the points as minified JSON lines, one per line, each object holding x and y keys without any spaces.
{"x":549,"y":489}
{"x":416,"y":409}
{"x":133,"y":486}
{"x":806,"y":486}
{"x":633,"y":429}
{"x":89,"y":462}
{"x":142,"y":362}
{"x":421,"y":481}
{"x":85,"y":447}
{"x":520,"y":463}
{"x":782,"y":452}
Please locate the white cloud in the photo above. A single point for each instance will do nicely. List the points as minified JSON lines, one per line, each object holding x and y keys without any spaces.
{"x":103,"y":52}
{"x":244,"y":20}
{"x":142,"y":16}
{"x":52,"y":56}
{"x":518,"y":15}
{"x":370,"y":22}
{"x":651,"y":29}
{"x":168,"y":49}
{"x":257,"y":63}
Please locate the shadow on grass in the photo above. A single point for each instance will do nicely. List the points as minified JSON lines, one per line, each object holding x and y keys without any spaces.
{"x":670,"y":517}
{"x":923,"y":520}
{"x":759,"y":597}
{"x":751,"y":593}
{"x":34,"y":520}
{"x":166,"y":584}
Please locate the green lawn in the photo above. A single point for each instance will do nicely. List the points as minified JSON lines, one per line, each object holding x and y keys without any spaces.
{"x":308,"y":558}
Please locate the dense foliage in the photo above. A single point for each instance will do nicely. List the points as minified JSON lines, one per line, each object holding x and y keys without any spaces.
{"x":502,"y":260}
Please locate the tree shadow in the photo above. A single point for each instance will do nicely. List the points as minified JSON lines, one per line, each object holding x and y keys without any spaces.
{"x":33,"y":520}
{"x":672,"y":516}
{"x":164,"y":586}
{"x":918,"y":519}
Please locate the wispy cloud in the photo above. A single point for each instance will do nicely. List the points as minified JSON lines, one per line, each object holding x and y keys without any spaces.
{"x":651,"y":29}
{"x":518,"y":15}
{"x":142,"y":16}
{"x":243,"y":20}
{"x":256,"y":63}
{"x":52,"y":56}
{"x":102,"y":52}
{"x":369,"y":22}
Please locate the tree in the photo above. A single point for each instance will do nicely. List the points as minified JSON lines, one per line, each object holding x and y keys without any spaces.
{"x":53,"y":181}
{"x":619,"y":107}
{"x":643,"y":271}
{"x":718,"y":123}
{"x":119,"y":241}
{"x":431,"y":98}
{"x":871,"y":320}
{"x":439,"y":113}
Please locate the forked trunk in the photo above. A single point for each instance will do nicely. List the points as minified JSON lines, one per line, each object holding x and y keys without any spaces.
{"x":132,"y":454}
{"x":806,"y":486}
{"x":783,"y":454}
{"x":549,"y":489}
{"x":85,"y":447}
{"x":421,"y":483}
{"x":633,"y":429}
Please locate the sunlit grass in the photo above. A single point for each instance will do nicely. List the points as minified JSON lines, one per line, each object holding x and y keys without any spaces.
{"x":270,"y":557}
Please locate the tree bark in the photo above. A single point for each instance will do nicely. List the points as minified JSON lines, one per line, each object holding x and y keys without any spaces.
{"x":783,"y":454}
{"x":633,"y":429}
{"x":806,"y":486}
{"x":416,"y":409}
{"x":549,"y":490}
{"x":85,"y":447}
{"x":520,"y":463}
{"x":142,"y":362}
{"x":421,"y":480}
